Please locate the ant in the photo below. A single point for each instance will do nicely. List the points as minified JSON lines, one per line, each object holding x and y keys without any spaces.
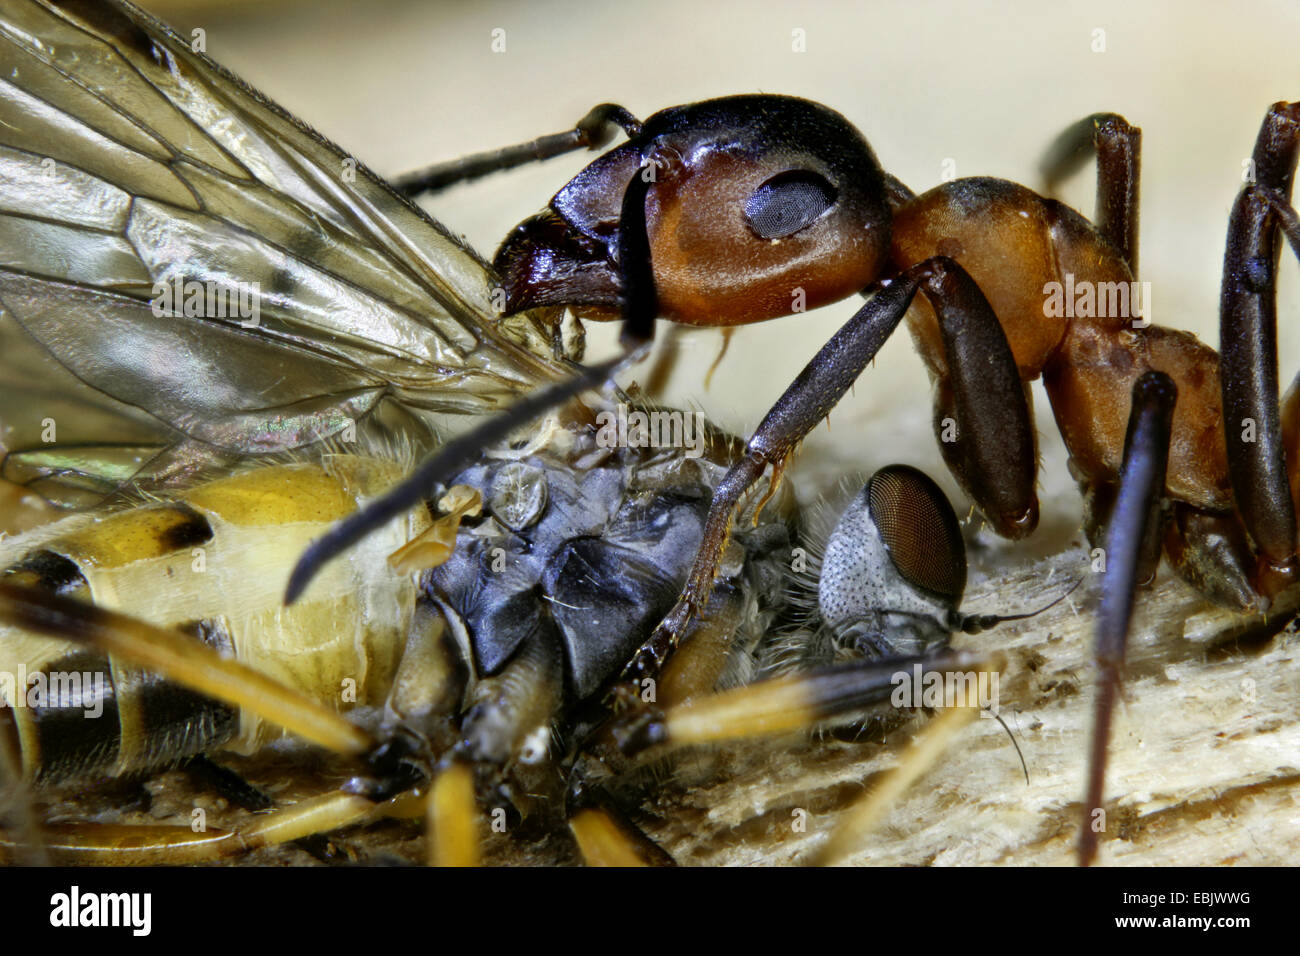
{"x":731,"y":210}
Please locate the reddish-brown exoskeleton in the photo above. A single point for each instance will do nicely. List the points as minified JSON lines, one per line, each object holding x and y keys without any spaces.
{"x":729,"y":211}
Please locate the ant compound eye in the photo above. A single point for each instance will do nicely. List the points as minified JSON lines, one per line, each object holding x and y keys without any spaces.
{"x":919,"y":529}
{"x":787,"y":203}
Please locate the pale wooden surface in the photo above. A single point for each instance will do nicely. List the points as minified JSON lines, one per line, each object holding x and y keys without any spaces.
{"x":1204,"y":769}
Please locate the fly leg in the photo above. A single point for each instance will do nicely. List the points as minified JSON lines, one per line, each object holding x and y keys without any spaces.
{"x":604,"y":834}
{"x":452,"y":818}
{"x":17,"y":804}
{"x":793,"y":703}
{"x":182,"y":659}
{"x":243,"y":794}
{"x":1132,"y":547}
{"x":593,"y":131}
{"x":391,"y":766}
{"x":785,"y":704}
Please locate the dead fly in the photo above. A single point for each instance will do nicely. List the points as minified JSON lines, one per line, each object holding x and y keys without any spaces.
{"x":238,"y":341}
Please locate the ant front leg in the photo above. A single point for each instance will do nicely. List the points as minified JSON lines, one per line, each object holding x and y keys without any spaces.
{"x":1257,"y":459}
{"x":1132,"y":547}
{"x":993,"y":454}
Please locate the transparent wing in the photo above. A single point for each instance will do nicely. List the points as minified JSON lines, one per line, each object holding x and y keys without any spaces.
{"x":134,"y":171}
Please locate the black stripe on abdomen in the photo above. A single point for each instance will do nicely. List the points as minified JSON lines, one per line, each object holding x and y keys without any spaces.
{"x":175,"y":722}
{"x":73,"y":706}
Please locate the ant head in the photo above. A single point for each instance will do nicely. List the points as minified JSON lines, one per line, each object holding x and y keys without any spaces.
{"x":758,"y":206}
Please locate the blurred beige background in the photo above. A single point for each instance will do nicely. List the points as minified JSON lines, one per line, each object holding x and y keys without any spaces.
{"x":986,"y":85}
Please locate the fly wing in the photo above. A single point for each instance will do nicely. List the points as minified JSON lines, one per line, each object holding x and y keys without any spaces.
{"x":190,"y":275}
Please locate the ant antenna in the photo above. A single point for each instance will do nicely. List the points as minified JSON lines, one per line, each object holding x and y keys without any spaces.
{"x":975,"y":623}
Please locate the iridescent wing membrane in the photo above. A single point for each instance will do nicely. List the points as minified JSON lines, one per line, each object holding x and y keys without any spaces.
{"x":131,"y":167}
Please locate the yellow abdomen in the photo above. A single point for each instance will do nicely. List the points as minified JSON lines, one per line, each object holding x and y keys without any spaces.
{"x":212,"y":561}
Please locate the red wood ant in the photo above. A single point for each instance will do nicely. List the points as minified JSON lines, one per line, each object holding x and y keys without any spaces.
{"x":728,"y":211}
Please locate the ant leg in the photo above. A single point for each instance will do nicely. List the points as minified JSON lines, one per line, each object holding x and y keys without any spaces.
{"x":993,"y":455}
{"x":1118,"y":148}
{"x":1132,"y":541}
{"x":1257,"y":462}
{"x":1211,"y":552}
{"x":665,"y":362}
{"x":982,"y":416}
{"x":593,"y":131}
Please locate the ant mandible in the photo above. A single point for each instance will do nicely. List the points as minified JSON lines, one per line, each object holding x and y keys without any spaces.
{"x":730,"y":211}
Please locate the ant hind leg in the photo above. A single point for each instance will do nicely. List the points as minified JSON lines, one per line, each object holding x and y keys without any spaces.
{"x":1257,"y":459}
{"x":1118,"y":148}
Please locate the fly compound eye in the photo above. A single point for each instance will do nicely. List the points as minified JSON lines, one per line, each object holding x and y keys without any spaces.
{"x":895,"y":561}
{"x":787,"y":203}
{"x":919,"y":530}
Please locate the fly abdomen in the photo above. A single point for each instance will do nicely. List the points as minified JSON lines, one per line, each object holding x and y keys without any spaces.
{"x":80,"y":717}
{"x":76,"y":714}
{"x":212,"y":564}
